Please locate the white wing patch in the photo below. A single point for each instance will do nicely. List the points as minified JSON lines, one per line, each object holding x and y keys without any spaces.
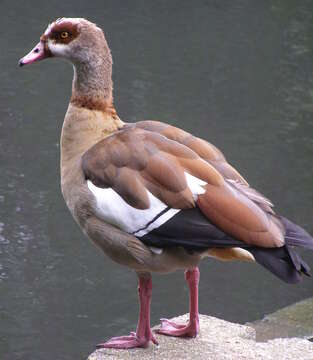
{"x":113,"y":209}
{"x":195,"y":185}
{"x":162,"y":219}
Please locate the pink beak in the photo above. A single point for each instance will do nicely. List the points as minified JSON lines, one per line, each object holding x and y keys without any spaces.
{"x":38,"y":53}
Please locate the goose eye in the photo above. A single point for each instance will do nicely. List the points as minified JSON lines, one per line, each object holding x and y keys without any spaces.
{"x":64,"y":34}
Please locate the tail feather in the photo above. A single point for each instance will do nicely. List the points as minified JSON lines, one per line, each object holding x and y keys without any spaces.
{"x":295,"y":235}
{"x":299,"y":264}
{"x":285,"y":262}
{"x":277,"y":261}
{"x":295,"y":258}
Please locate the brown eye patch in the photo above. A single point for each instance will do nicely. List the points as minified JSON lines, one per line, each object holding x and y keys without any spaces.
{"x":63,"y":37}
{"x":63,"y":32}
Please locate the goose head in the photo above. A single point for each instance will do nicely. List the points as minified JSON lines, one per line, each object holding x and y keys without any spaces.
{"x":75,"y":39}
{"x":83,"y":44}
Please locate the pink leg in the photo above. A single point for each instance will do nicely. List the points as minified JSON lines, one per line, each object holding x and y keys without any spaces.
{"x":191,"y":329}
{"x":143,"y":334}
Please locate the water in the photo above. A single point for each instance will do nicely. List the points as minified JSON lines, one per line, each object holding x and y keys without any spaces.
{"x":238,"y":73}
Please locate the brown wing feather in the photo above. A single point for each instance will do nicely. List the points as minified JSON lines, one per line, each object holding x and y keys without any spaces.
{"x":147,"y":161}
{"x":240,"y":217}
{"x":212,"y":155}
{"x":136,"y":160}
{"x":202,"y":148}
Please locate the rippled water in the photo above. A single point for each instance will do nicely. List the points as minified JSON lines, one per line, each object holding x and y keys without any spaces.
{"x":238,"y":73}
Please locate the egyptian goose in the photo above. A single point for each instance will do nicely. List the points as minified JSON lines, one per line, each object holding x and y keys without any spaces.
{"x":151,"y":196}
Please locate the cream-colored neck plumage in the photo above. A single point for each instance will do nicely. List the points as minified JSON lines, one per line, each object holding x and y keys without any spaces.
{"x":90,"y":116}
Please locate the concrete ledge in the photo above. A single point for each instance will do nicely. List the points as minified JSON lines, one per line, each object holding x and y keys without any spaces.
{"x":218,"y":340}
{"x":295,"y":320}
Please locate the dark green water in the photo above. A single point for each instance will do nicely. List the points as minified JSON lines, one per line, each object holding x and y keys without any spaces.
{"x":238,"y":73}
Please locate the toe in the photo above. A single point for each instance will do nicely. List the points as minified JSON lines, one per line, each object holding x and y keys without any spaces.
{"x":127,"y":342}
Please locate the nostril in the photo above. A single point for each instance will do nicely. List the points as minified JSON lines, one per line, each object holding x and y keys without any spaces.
{"x":36,"y":50}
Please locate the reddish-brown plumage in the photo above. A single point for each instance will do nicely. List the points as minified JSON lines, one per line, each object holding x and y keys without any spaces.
{"x":91,"y":103}
{"x":142,"y":160}
{"x":240,"y":217}
{"x":204,"y":149}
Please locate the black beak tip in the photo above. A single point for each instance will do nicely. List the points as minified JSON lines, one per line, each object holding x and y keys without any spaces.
{"x":20,"y":63}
